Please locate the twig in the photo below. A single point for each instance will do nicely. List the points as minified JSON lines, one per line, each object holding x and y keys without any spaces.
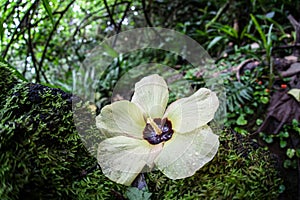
{"x":287,"y":47}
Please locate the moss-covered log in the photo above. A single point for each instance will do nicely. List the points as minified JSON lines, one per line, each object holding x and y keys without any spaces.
{"x":43,"y":157}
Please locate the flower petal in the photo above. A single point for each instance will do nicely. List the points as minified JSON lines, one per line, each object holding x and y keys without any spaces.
{"x":200,"y":146}
{"x":121,"y":118}
{"x":122,"y":158}
{"x":192,"y":112}
{"x":151,"y":94}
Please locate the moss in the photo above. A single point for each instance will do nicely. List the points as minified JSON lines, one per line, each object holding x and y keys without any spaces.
{"x":7,"y":81}
{"x":43,"y":157}
{"x":240,"y":170}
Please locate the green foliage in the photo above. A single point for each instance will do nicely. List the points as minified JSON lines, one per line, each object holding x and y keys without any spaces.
{"x":286,"y":140}
{"x":48,"y":41}
{"x":247,"y":96}
{"x":237,"y":94}
{"x":267,"y":44}
{"x":7,"y":82}
{"x":48,"y":10}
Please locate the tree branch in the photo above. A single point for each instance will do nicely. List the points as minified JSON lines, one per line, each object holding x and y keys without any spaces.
{"x":51,"y":34}
{"x":31,"y":50}
{"x":22,"y":24}
{"x":124,"y":15}
{"x":145,"y":14}
{"x":118,"y":26}
{"x":110,"y":15}
{"x":14,"y":8}
{"x":79,"y":26}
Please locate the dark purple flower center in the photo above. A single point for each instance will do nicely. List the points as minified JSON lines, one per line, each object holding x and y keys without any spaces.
{"x":165,"y":127}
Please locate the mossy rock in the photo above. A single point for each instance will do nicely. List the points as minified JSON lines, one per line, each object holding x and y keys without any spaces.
{"x":43,"y":157}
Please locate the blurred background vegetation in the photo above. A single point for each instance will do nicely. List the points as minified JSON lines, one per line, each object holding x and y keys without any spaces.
{"x":46,"y":41}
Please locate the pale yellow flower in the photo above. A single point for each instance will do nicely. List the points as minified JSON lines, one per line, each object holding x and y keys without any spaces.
{"x":143,"y":135}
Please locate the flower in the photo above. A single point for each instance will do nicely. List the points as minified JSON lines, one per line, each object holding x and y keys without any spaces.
{"x":143,"y":135}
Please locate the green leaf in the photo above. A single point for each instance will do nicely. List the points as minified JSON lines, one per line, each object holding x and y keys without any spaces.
{"x":284,"y":134}
{"x":258,"y":28}
{"x":290,"y":153}
{"x":280,"y":27}
{"x":295,"y":92}
{"x":110,"y":51}
{"x":269,"y":41}
{"x":259,"y":122}
{"x":264,"y":100}
{"x":249,"y":110}
{"x":287,"y":163}
{"x":295,"y":123}
{"x":241,"y":131}
{"x":2,"y":64}
{"x":241,"y":120}
{"x":230,"y":31}
{"x":214,"y":41}
{"x":283,"y":143}
{"x":268,"y":139}
{"x":251,"y":37}
{"x":219,"y":13}
{"x":281,"y":189}
{"x":134,"y":193}
{"x":48,"y":10}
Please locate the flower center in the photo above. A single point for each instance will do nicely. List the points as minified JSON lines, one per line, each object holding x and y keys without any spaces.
{"x":158,"y":130}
